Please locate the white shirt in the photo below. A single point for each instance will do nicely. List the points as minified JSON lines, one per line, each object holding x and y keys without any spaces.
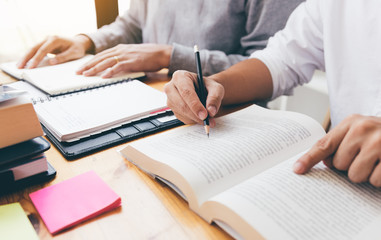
{"x":340,"y":37}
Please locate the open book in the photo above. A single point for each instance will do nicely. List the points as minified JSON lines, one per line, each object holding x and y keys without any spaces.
{"x":61,"y":78}
{"x":241,"y":178}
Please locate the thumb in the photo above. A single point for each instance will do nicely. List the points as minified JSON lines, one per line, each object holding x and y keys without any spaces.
{"x":63,"y":57}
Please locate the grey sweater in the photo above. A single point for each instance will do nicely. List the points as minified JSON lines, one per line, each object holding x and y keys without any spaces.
{"x":226,"y":31}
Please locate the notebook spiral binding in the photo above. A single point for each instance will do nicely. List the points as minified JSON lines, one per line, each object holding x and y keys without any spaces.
{"x":48,"y":98}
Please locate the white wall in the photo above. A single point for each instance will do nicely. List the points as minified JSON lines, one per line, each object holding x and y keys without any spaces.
{"x":123,"y":5}
{"x":24,"y":23}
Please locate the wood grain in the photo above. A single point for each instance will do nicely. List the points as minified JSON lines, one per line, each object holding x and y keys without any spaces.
{"x":5,"y":78}
{"x":150,"y":210}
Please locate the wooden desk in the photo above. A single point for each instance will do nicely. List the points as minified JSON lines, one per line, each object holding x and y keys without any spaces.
{"x":150,"y":210}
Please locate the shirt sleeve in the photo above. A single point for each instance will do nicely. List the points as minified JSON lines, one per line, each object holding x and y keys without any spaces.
{"x":126,"y":29}
{"x":263,"y":19}
{"x":294,"y":53}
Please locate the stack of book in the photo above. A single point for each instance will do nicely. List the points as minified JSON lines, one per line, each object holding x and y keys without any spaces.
{"x":22,"y":147}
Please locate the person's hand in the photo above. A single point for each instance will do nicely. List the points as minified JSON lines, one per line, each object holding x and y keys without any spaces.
{"x":128,"y":58}
{"x":184,"y":101}
{"x":65,"y":49}
{"x":353,"y":146}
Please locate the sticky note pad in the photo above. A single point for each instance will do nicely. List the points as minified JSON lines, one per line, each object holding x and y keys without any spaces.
{"x":75,"y":200}
{"x":14,"y":224}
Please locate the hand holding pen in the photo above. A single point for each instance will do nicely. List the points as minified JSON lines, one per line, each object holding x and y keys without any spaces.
{"x":184,"y":100}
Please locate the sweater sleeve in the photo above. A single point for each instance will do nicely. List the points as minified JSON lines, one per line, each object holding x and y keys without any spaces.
{"x":125,"y":29}
{"x":294,"y":53}
{"x":263,"y":19}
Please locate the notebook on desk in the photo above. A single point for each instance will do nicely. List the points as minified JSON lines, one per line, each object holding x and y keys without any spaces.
{"x":61,"y":79}
{"x":85,"y":122}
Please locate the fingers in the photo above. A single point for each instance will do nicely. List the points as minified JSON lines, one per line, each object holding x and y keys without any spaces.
{"x":111,"y":66}
{"x":212,"y":122}
{"x":363,"y":164}
{"x":353,"y":146}
{"x":64,"y":49}
{"x":323,"y":149}
{"x":128,"y":58}
{"x":64,"y":57}
{"x":178,"y":105}
{"x":100,"y":67}
{"x":216,"y":93}
{"x":125,"y":66}
{"x":184,"y":101}
{"x":375,"y":178}
{"x":97,"y":64}
{"x":24,"y":60}
{"x":328,"y":162}
{"x":47,"y":47}
{"x":108,"y":54}
{"x":347,"y":151}
{"x":188,"y":94}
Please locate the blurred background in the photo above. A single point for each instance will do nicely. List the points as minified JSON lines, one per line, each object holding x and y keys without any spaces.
{"x":23,"y":23}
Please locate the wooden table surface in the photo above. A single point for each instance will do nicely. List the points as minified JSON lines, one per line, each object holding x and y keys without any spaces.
{"x":150,"y":209}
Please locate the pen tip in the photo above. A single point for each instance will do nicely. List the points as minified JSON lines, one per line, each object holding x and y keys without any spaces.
{"x":195,"y":48}
{"x":207,"y":130}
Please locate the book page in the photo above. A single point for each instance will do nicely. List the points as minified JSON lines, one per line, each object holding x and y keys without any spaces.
{"x":77,"y":115}
{"x":322,"y":204}
{"x":240,"y":146}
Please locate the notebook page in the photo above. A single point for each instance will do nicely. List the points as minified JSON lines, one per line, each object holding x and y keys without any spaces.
{"x":76,"y":115}
{"x":12,"y":69}
{"x":62,"y":78}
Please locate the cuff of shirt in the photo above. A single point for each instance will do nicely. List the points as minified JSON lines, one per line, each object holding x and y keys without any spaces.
{"x":182,"y":58}
{"x":99,"y":45}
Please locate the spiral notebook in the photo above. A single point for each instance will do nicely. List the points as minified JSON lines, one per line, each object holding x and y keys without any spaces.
{"x":60,"y":79}
{"x":87,"y":121}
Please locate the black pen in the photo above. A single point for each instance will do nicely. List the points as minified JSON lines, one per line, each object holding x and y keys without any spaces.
{"x":201,"y":87}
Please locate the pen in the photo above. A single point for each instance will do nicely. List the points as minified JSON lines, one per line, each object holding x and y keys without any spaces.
{"x":201,"y":87}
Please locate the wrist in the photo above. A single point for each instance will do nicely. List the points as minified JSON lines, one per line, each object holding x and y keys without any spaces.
{"x":85,"y":42}
{"x":166,"y":55}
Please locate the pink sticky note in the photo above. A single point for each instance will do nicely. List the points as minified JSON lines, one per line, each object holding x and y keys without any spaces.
{"x":73,"y":201}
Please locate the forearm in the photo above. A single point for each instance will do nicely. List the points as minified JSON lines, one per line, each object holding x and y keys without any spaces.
{"x":118,"y":32}
{"x":246,"y":81}
{"x":213,"y":61}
